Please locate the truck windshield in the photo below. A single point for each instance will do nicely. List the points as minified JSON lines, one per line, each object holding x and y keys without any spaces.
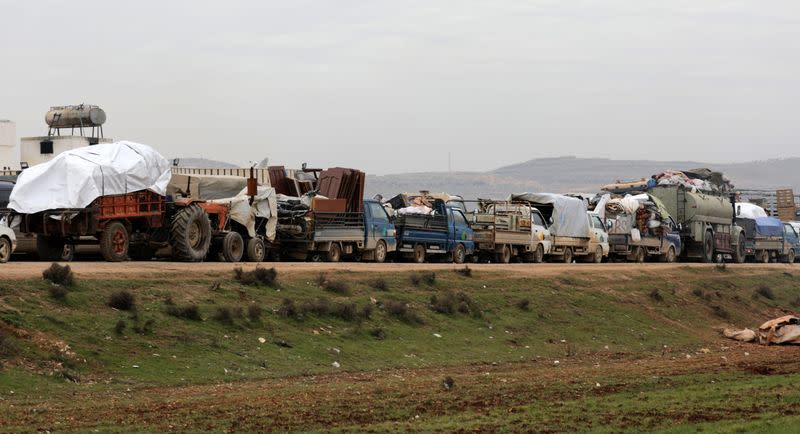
{"x":377,"y":212}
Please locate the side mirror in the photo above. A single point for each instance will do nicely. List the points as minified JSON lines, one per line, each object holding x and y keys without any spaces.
{"x":609,"y":224}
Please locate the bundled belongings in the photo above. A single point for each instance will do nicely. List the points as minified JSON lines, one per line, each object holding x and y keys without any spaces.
{"x":75,"y":178}
{"x":699,"y":179}
{"x":783,"y":330}
{"x":419,"y":203}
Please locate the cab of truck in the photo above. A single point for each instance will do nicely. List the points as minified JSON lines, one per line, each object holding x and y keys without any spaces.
{"x":791,"y":242}
{"x":380,"y":232}
{"x":598,"y":238}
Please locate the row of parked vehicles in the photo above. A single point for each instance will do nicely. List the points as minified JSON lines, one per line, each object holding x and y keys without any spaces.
{"x":663,"y":222}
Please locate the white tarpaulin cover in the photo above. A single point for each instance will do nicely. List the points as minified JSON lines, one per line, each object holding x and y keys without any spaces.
{"x":75,"y":178}
{"x":265,"y":205}
{"x":749,"y":210}
{"x":569,"y":213}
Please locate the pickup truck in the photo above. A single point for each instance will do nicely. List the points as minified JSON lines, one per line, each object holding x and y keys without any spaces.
{"x":763,"y":235}
{"x":444,"y":233}
{"x":640,"y":227}
{"x":505,"y":230}
{"x":575,"y":232}
{"x":329,"y":235}
{"x":791,"y":243}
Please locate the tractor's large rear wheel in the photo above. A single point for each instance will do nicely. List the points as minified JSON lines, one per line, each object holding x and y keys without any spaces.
{"x":190,"y":234}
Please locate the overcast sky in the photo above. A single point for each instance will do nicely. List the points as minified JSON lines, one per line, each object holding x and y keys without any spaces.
{"x":393,"y":86}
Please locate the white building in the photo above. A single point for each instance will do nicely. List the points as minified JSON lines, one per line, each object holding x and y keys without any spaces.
{"x":37,"y":150}
{"x":9,"y":151}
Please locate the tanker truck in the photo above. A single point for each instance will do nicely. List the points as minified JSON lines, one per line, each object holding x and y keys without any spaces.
{"x":706,"y":222}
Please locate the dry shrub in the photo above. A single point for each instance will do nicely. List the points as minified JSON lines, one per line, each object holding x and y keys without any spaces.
{"x":400,"y":310}
{"x":765,"y":291}
{"x":254,"y":312}
{"x":466,"y":271}
{"x":57,"y":292}
{"x":58,"y":274}
{"x":189,"y":311}
{"x":259,"y":276}
{"x":119,"y":328}
{"x":379,"y":283}
{"x":418,"y":277}
{"x":334,"y":286}
{"x":122,"y":300}
{"x":524,"y":304}
{"x":227,"y":315}
{"x":452,"y":302}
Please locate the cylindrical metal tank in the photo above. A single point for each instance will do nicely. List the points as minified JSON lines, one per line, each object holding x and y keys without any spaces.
{"x":709,"y":207}
{"x":75,"y":116}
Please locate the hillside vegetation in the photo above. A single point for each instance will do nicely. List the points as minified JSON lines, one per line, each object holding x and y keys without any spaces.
{"x":135,"y":343}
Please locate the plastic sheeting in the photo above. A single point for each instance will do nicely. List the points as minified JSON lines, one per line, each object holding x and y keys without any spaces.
{"x":749,"y":210}
{"x":265,"y":205}
{"x":769,"y":227}
{"x":569,"y":213}
{"x":75,"y":178}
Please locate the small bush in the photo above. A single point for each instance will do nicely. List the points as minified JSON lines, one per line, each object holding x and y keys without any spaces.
{"x":466,"y":271}
{"x":259,"y":276}
{"x":227,"y":315}
{"x":57,"y":292}
{"x":122,"y":300}
{"x":401,"y":311}
{"x":60,"y":275}
{"x":379,"y":284}
{"x":656,"y":296}
{"x":190,"y":312}
{"x":288,"y":309}
{"x":144,"y":329}
{"x":524,"y":304}
{"x":720,"y":311}
{"x":7,"y":346}
{"x":120,"y":327}
{"x":418,"y":277}
{"x":699,"y":293}
{"x":334,"y":286}
{"x":366,"y":311}
{"x":765,"y":291}
{"x":452,"y":302}
{"x":254,"y":312}
{"x":721,"y":267}
{"x":378,"y":333}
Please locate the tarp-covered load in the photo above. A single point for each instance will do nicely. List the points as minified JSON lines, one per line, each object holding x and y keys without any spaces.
{"x":75,"y":178}
{"x":569,"y":214}
{"x":749,"y":210}
{"x":232,"y":190}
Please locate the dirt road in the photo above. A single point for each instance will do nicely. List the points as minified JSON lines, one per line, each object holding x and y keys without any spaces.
{"x":155,"y":269}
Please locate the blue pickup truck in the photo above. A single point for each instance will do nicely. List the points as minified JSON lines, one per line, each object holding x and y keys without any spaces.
{"x":330,"y":236}
{"x":446,"y":233}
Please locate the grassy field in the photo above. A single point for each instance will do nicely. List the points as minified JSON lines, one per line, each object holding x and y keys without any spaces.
{"x":638,"y":350}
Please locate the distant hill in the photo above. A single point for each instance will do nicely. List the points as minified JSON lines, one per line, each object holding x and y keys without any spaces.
{"x":203,"y":163}
{"x":572,"y":174}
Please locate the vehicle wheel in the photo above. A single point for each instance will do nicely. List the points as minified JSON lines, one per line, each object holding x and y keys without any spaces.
{"x":53,"y":249}
{"x":538,"y":255}
{"x":114,"y":242}
{"x":460,"y":254}
{"x":141,"y":252}
{"x":504,"y":257}
{"x":567,"y":258}
{"x":232,"y":247}
{"x":597,"y":256}
{"x":790,"y":257}
{"x":5,"y":250}
{"x":419,"y":254}
{"x":708,"y":247}
{"x":640,"y":255}
{"x":763,"y":257}
{"x":380,"y":252}
{"x":334,"y":253}
{"x":256,"y":250}
{"x":738,"y":255}
{"x":190,"y":234}
{"x":669,"y":257}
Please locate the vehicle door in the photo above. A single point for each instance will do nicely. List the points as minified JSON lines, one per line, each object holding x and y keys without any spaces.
{"x":598,"y":234}
{"x":539,"y":232}
{"x":462,"y":232}
{"x":379,"y":226}
{"x":791,"y":240}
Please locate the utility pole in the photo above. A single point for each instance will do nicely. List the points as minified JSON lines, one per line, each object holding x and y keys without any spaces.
{"x":449,"y":164}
